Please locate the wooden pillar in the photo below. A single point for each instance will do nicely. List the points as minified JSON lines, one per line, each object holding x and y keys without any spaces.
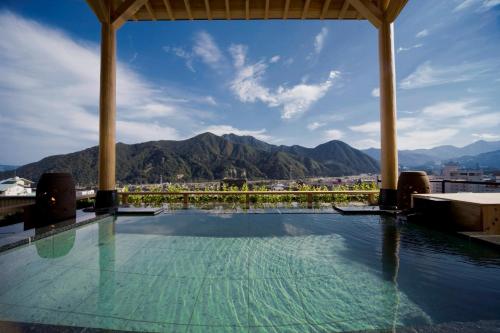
{"x":388,"y":117}
{"x":107,"y":109}
{"x":107,"y":196}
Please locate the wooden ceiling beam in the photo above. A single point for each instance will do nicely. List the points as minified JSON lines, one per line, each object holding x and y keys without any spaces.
{"x":150,"y":10}
{"x":266,"y":10}
{"x":168,"y":7}
{"x":125,"y":11}
{"x":207,"y":8}
{"x":394,"y":8}
{"x":344,"y":9}
{"x":285,"y":10}
{"x":324,"y":10}
{"x":368,"y":10}
{"x":101,"y":9}
{"x":305,"y":10}
{"x":228,"y":10}
{"x":188,"y":9}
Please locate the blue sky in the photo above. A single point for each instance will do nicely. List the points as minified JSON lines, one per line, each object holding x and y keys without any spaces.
{"x":286,"y":82}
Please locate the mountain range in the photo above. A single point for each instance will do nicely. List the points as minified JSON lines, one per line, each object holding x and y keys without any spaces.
{"x":208,"y":157}
{"x":472,"y":153}
{"x":4,"y":167}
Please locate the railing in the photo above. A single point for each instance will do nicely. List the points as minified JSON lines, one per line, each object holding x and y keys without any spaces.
{"x":248,"y":194}
{"x":463,"y":182}
{"x":14,"y":204}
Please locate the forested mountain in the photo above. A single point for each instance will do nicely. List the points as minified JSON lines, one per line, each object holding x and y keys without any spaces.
{"x":208,"y":157}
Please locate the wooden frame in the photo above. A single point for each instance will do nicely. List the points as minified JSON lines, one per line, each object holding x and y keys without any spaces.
{"x":114,"y":13}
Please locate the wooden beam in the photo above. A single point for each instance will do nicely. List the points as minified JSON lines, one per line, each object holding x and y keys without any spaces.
{"x":228,"y":10}
{"x":395,"y":7}
{"x":324,"y":10}
{"x":101,"y":9}
{"x":368,"y":10}
{"x":305,"y":10}
{"x":344,"y":9}
{"x":150,"y":10}
{"x":207,"y":8}
{"x":285,"y":10}
{"x":168,"y":7}
{"x":188,"y":9}
{"x":266,"y":10}
{"x":125,"y":11}
{"x":247,"y":9}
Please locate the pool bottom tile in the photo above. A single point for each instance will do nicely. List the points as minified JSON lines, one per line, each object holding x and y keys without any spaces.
{"x":274,"y":302}
{"x":222,"y":303}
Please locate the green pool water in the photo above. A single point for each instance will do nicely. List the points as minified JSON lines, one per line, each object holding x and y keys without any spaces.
{"x":202,"y":272}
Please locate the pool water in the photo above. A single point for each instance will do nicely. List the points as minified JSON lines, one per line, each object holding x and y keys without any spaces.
{"x":202,"y":272}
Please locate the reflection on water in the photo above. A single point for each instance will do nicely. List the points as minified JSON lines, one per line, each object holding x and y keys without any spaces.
{"x":390,"y":261}
{"x":56,"y":246}
{"x":107,"y":253}
{"x":298,"y":272}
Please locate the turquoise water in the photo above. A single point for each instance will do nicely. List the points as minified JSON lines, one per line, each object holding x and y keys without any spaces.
{"x":202,"y":272}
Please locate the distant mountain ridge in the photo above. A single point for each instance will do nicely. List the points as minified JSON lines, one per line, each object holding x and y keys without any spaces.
{"x":4,"y":167}
{"x":419,"y":157}
{"x":208,"y":157}
{"x":489,"y":160}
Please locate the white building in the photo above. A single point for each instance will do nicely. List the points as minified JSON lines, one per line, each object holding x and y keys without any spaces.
{"x":15,"y":186}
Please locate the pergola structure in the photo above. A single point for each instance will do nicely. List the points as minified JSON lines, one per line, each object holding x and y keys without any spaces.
{"x":114,"y":13}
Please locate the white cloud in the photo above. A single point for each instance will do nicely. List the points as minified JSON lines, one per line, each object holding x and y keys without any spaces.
{"x":480,"y":121}
{"x":49,"y":90}
{"x":481,"y":5}
{"x":333,"y":134}
{"x":450,"y":109}
{"x":486,"y":136}
{"x":465,"y":4}
{"x":372,"y":127}
{"x":426,"y":75}
{"x":210,"y":100}
{"x":366,"y":143}
{"x":206,"y":48}
{"x":319,"y":40}
{"x":228,"y":129}
{"x":248,"y":87}
{"x":376,"y":92}
{"x":409,"y":48}
{"x":425,"y":138}
{"x":434,"y":125}
{"x":422,"y":34}
{"x":274,"y":59}
{"x":315,"y":125}
{"x":183,"y":54}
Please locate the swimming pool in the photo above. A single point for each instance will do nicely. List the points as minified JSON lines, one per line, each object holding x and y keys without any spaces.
{"x":199,"y":272}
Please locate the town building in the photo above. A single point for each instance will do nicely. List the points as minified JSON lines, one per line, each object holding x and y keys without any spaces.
{"x":16,"y":186}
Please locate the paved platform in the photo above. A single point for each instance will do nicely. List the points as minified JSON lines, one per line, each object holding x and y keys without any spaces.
{"x":140,"y":210}
{"x":464,"y":212}
{"x":483,"y":237}
{"x":365,"y":210}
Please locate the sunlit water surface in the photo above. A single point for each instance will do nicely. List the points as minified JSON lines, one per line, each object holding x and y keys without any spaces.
{"x":191,"y":271}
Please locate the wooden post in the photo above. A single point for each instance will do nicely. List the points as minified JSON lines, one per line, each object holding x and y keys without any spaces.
{"x":107,"y":199}
{"x":247,"y":201}
{"x":388,"y":135}
{"x":186,"y":201}
{"x":309,"y":200}
{"x":125,"y":199}
{"x":107,"y":109}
